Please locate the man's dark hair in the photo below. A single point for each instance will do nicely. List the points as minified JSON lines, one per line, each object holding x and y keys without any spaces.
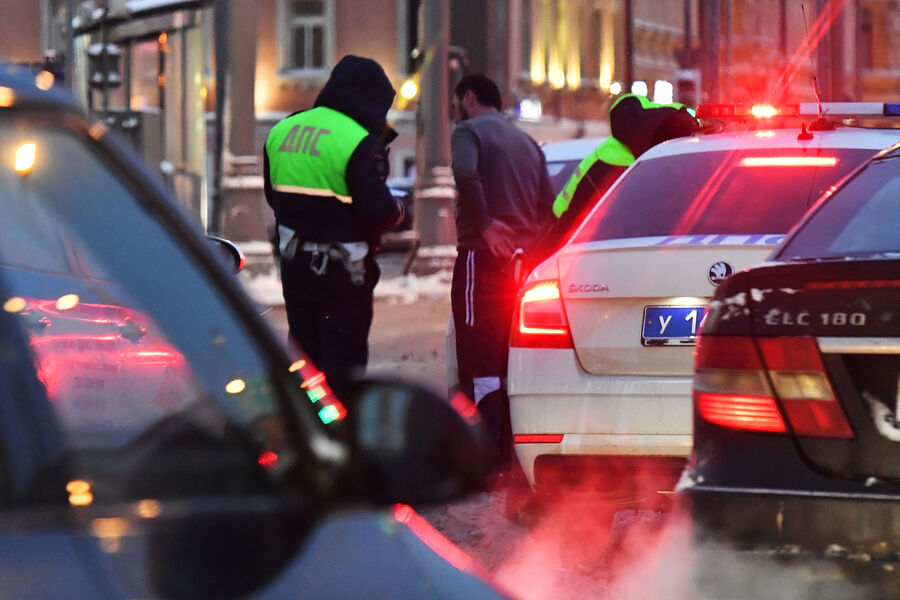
{"x":483,"y":87}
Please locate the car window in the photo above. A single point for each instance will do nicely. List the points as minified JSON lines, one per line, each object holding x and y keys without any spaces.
{"x":158,"y":389}
{"x":35,"y":245}
{"x":723,"y":192}
{"x":852,"y":221}
{"x":559,"y":172}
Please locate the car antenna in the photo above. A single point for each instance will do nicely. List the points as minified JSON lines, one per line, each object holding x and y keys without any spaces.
{"x":820,"y":123}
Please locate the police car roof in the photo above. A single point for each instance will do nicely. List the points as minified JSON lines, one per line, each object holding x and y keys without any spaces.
{"x":19,"y":89}
{"x":576,"y":149}
{"x":766,"y":139}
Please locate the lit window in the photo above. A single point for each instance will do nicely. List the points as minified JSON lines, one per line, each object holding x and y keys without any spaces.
{"x":306,"y":34}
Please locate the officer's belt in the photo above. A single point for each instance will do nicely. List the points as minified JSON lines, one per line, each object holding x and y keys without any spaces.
{"x":351,"y":254}
{"x":353,"y":250}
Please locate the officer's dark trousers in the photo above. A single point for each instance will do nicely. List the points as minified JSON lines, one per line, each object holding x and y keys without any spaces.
{"x":329,"y":316}
{"x":482,"y":298}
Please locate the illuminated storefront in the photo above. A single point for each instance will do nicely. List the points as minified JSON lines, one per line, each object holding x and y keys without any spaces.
{"x":145,"y":66}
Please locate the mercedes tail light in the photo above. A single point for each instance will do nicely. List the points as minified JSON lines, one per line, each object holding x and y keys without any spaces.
{"x":539,"y":320}
{"x":737,"y":381}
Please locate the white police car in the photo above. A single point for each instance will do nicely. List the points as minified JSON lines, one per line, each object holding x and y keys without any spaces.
{"x":600,"y":360}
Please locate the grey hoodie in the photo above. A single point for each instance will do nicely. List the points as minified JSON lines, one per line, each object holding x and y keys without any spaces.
{"x":500,"y":174}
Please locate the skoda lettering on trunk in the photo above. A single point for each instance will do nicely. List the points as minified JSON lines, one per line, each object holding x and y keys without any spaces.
{"x":587,"y":288}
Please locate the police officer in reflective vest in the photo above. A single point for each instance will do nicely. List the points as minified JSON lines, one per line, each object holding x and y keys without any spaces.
{"x":325,"y":172}
{"x":636,"y":125}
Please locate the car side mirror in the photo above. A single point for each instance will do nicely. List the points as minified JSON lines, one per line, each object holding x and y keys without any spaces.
{"x":230,"y":255}
{"x":412,"y":446}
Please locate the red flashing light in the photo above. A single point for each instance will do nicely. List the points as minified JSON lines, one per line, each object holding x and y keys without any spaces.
{"x":540,"y":321}
{"x":538,"y":438}
{"x":744,"y":111}
{"x":764,"y":111}
{"x":789,"y":161}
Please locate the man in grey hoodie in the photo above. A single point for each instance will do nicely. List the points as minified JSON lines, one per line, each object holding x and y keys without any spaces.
{"x":504,"y":199}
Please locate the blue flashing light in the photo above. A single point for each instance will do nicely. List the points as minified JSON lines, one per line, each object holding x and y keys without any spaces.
{"x":892,"y":109}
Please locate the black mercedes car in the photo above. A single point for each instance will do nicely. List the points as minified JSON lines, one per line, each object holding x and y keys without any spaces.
{"x":796,"y":401}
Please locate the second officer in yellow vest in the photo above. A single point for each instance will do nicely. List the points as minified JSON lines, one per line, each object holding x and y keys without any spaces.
{"x":325,"y":172}
{"x":636,"y":125}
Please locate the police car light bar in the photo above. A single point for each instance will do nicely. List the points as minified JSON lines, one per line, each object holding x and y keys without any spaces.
{"x":829,"y":109}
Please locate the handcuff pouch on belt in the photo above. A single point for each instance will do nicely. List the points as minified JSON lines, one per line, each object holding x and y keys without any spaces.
{"x":351,"y":254}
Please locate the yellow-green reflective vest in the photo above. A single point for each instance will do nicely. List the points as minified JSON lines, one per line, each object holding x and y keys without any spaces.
{"x":611,"y":151}
{"x":309,"y":151}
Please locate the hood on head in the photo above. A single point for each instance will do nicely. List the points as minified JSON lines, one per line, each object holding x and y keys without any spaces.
{"x":359,"y":88}
{"x":640,"y":124}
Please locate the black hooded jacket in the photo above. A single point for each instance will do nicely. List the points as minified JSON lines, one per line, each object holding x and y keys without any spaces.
{"x":638,"y":127}
{"x":359,"y":89}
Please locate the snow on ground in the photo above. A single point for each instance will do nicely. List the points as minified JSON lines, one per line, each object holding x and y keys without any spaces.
{"x":261,"y":280}
{"x":406,"y":289}
{"x":265,"y":288}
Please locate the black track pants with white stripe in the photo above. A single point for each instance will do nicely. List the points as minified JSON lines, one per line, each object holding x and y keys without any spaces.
{"x":482,"y":297}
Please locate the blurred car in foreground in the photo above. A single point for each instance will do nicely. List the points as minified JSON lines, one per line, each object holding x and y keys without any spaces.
{"x":157,"y":440}
{"x":601,"y":351}
{"x":796,"y":400}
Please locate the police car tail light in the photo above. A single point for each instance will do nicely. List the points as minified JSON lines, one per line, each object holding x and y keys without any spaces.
{"x":539,"y":320}
{"x":736,"y":384}
{"x":801,"y":383}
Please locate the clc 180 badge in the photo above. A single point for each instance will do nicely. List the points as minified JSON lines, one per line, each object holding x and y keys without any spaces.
{"x":719,"y":271}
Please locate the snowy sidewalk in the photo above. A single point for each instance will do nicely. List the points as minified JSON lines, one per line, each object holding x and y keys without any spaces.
{"x":429,"y":279}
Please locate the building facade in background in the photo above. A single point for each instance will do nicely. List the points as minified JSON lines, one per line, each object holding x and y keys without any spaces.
{"x":559,"y":63}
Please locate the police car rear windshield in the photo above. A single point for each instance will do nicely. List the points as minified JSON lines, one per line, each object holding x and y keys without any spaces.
{"x":859,"y":220}
{"x":722,"y":192}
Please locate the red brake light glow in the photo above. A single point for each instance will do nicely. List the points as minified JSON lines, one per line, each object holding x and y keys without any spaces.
{"x":736,"y":385}
{"x":800,"y":381}
{"x":540,"y":321}
{"x":740,"y":412}
{"x":538,"y":438}
{"x":789,"y":161}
